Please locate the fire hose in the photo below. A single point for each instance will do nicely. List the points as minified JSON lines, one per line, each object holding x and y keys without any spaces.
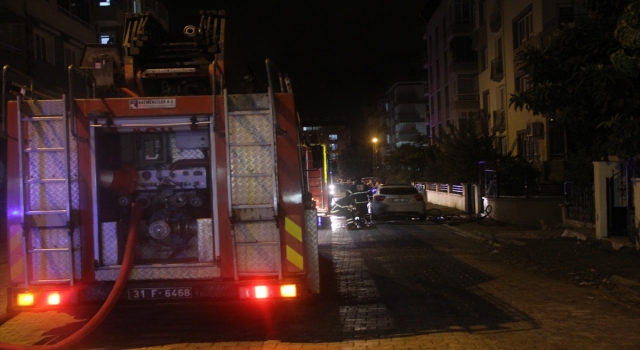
{"x":112,"y":298}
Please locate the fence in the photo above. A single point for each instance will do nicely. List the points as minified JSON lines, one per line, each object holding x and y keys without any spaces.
{"x":580,"y":202}
{"x":496,"y":184}
{"x":448,"y":195}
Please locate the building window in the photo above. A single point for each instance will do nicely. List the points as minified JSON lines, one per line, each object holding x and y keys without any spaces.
{"x":43,"y":47}
{"x":333,"y":137}
{"x":444,"y":28}
{"x":446,"y":63}
{"x":522,"y":83}
{"x":523,"y":28}
{"x":483,"y":55}
{"x":105,"y":3}
{"x":431,"y":75}
{"x":333,"y":146}
{"x":482,"y":11}
{"x":485,"y":102}
{"x":462,"y":12}
{"x":461,"y":49}
{"x":71,"y":55}
{"x":501,"y":145}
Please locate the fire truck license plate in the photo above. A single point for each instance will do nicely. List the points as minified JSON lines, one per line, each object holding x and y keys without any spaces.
{"x":160,"y":293}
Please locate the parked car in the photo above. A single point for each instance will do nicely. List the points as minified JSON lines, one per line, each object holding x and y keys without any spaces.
{"x":398,"y":201}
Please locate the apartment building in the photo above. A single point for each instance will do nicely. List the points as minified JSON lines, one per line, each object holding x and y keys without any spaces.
{"x":503,"y":28}
{"x":336,"y":137}
{"x":406,"y":108}
{"x":41,"y":38}
{"x":108,"y":16}
{"x":451,"y":64}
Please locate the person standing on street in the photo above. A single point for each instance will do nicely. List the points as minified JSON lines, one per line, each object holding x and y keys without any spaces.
{"x":359,"y":195}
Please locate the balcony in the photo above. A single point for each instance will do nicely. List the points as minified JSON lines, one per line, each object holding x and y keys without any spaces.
{"x":462,"y":28}
{"x":409,"y":117}
{"x":497,"y":69}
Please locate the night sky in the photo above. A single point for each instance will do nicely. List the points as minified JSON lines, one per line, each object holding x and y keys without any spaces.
{"x":340,"y":55}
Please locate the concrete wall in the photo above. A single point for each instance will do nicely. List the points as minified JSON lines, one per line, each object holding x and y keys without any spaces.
{"x":451,"y":200}
{"x":538,"y":212}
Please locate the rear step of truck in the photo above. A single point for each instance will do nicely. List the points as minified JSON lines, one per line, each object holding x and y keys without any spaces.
{"x":46,"y":191}
{"x":252,"y":180}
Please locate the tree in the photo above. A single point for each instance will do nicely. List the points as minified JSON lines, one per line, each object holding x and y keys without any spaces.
{"x":573,"y":80}
{"x":625,"y":128}
{"x":356,"y":161}
{"x":405,"y":164}
{"x":456,"y":153}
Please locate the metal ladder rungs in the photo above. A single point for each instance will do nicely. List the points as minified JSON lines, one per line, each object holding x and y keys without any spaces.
{"x":45,"y":212}
{"x":42,"y":118}
{"x":60,"y":281}
{"x":250,"y":112}
{"x":44,"y":181}
{"x":250,"y":144}
{"x":256,"y":243}
{"x":42,"y":139}
{"x":251,"y":175}
{"x":252,"y":206}
{"x":50,"y":149}
{"x":48,"y":250}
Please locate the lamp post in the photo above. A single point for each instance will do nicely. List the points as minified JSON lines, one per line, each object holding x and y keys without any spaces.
{"x":375,"y":158}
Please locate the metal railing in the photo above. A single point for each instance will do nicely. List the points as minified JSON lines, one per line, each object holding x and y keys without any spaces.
{"x":579,"y":201}
{"x":90,"y":93}
{"x":4,"y":93}
{"x":497,"y":184}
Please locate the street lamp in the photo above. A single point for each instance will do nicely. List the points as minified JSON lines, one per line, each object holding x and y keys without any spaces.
{"x":375,"y":159}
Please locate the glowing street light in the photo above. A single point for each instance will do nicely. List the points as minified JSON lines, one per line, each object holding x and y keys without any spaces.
{"x":375,"y":159}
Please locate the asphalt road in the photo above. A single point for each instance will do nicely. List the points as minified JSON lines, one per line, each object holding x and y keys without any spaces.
{"x":400,"y":285}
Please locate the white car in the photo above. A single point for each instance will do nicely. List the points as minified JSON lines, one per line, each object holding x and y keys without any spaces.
{"x":393,"y":201}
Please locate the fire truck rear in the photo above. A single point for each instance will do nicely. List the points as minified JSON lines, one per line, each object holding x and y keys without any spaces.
{"x":174,"y":171}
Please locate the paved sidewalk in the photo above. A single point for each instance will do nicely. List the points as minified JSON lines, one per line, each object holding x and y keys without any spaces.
{"x":571,"y":254}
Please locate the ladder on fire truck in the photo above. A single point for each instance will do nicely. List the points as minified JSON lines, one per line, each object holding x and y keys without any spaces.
{"x":45,"y":191}
{"x":251,"y":129}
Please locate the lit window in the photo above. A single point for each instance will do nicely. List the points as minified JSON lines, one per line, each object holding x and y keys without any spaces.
{"x":333,"y":137}
{"x":105,"y":3}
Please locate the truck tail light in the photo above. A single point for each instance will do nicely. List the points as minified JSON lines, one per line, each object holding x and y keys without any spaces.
{"x":378,"y":198}
{"x":268,"y":291}
{"x":288,"y":291}
{"x":418,"y":197}
{"x":25,"y":299}
{"x":260,"y":292}
{"x":53,"y":298}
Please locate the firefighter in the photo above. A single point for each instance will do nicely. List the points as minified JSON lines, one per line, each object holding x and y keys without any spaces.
{"x":359,"y":195}
{"x":341,"y":208}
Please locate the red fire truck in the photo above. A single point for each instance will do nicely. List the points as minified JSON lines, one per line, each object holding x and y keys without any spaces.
{"x":317,"y":176}
{"x":174,"y":178}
